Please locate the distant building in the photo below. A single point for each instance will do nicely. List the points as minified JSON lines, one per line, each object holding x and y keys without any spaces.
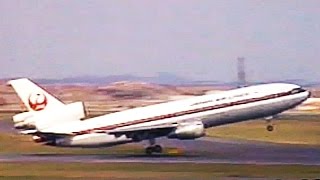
{"x":241,"y":72}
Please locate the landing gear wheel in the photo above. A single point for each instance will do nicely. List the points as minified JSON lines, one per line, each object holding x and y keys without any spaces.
{"x":149,"y":150}
{"x":270,"y":128}
{"x":153,"y":149}
{"x":157,"y":148}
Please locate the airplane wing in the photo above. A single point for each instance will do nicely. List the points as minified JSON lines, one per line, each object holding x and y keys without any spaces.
{"x":142,"y":128}
{"x":136,"y":133}
{"x":36,"y":132}
{"x":144,"y":132}
{"x":141,"y":132}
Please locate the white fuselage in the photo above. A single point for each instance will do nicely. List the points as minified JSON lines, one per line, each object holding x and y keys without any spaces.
{"x":212,"y":110}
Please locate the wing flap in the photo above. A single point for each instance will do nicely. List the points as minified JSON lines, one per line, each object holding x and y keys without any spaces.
{"x":140,"y":129}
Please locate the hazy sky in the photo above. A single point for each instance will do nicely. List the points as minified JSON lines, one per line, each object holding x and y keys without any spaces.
{"x":195,"y":39}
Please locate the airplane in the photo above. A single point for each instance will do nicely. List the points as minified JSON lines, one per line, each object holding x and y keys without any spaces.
{"x":182,"y":119}
{"x":36,"y":99}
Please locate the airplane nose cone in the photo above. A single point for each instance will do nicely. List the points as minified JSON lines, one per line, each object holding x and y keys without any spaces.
{"x":309,"y":94}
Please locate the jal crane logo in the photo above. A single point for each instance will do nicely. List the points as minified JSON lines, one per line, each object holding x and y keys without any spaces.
{"x":37,"y":101}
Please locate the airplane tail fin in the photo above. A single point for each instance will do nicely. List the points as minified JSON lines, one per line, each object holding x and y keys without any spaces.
{"x":45,"y":110}
{"x":33,"y":96}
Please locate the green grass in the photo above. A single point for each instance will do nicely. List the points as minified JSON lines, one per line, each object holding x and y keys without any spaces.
{"x":288,"y":129}
{"x":152,"y":171}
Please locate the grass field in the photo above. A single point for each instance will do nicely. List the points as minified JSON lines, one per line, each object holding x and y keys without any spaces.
{"x":297,"y":129}
{"x":152,"y":171}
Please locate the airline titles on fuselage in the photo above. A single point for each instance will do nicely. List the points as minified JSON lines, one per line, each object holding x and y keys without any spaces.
{"x":221,"y":99}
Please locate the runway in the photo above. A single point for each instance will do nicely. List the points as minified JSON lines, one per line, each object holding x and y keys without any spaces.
{"x":205,"y":150}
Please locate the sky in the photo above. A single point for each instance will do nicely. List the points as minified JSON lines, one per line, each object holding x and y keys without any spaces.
{"x":199,"y":40}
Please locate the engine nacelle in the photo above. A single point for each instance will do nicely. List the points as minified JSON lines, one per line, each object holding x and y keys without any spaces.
{"x":188,"y":131}
{"x":27,"y":120}
{"x":92,"y":140}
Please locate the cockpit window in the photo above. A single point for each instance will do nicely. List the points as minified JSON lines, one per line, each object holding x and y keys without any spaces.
{"x":297,"y":90}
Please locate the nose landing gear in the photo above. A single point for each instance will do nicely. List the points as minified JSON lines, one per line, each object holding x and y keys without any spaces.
{"x":270,"y":128}
{"x":269,"y":124}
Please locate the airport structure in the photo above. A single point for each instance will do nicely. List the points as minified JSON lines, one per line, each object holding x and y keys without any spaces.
{"x":241,"y":72}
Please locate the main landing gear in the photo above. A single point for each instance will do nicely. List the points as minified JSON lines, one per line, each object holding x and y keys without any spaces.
{"x":153,"y":148}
